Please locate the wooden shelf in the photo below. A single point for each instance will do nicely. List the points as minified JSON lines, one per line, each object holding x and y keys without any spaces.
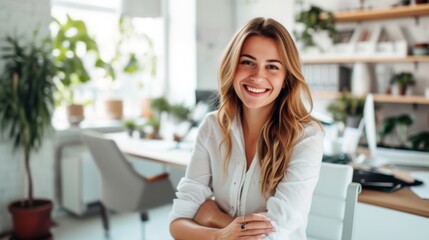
{"x":385,"y":13}
{"x":366,"y":59}
{"x":378,"y":98}
{"x":401,"y":99}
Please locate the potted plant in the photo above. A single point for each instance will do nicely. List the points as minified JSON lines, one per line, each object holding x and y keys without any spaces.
{"x":70,"y":43}
{"x":159,"y":105}
{"x":347,"y":109}
{"x":314,"y":20}
{"x":420,"y":141}
{"x":179,"y":111}
{"x":126,"y":61}
{"x":401,"y":81}
{"x":26,"y":107}
{"x":154,"y":123}
{"x":130,"y":125}
{"x":396,"y":124}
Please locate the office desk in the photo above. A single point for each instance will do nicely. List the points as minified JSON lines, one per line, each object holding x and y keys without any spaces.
{"x":155,"y":150}
{"x":395,"y":216}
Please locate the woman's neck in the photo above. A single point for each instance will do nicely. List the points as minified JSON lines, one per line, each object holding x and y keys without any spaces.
{"x":254,"y":119}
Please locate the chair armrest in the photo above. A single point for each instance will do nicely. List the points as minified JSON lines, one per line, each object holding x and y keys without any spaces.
{"x":156,"y":178}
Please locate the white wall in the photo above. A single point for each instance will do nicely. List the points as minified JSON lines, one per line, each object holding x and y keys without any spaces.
{"x":20,"y":18}
{"x":214,"y":29}
{"x":279,"y":10}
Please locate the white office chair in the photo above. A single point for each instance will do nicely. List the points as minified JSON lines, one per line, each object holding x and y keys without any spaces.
{"x":122,"y":188}
{"x":334,"y":202}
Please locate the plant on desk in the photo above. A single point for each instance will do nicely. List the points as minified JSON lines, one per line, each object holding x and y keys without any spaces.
{"x":347,"y":110}
{"x":420,"y":141}
{"x":26,"y":107}
{"x":398,"y":125}
{"x":180,"y":113}
{"x":154,"y":123}
{"x":130,"y":125}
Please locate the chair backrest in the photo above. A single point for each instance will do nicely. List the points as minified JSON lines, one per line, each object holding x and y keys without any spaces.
{"x":122,"y":188}
{"x":334,"y":202}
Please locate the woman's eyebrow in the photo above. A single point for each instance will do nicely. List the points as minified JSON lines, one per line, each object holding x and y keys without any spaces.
{"x":269,"y":60}
{"x":247,"y":55}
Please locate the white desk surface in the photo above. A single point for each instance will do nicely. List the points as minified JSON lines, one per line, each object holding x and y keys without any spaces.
{"x":156,"y":150}
{"x":165,"y":152}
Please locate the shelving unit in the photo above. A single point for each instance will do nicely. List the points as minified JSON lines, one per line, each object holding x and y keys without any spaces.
{"x":367,"y":59}
{"x":383,"y":98}
{"x":369,"y":15}
{"x":380,"y":14}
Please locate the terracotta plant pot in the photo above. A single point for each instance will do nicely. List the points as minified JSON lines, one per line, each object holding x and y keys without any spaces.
{"x":114,"y":108}
{"x":75,"y":114}
{"x":31,"y":223}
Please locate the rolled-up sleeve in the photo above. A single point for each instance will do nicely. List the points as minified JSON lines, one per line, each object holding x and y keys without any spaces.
{"x":194,"y":188}
{"x":289,"y":207}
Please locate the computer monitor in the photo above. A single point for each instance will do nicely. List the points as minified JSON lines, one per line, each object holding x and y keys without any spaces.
{"x":210,"y":97}
{"x":382,"y":155}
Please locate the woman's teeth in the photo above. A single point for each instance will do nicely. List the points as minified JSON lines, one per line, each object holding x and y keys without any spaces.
{"x":255,"y":90}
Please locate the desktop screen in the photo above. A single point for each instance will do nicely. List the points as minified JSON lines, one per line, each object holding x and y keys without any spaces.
{"x":381,"y":155}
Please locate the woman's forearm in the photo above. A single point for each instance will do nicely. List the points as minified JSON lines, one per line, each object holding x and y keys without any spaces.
{"x":184,"y":228}
{"x":209,"y":214}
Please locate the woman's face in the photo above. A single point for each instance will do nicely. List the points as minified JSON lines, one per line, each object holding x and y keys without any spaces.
{"x":260,"y":74}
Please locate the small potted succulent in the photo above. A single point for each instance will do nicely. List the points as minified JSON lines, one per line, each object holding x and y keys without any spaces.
{"x":401,"y":81}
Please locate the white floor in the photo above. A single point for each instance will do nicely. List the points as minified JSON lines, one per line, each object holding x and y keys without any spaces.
{"x":122,"y":226}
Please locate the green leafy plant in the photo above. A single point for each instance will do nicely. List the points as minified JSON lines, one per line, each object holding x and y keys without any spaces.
{"x":398,"y":124}
{"x":70,"y":43}
{"x":315,"y":19}
{"x":154,"y":123}
{"x":133,"y":63}
{"x":26,"y":98}
{"x":130,"y":125}
{"x":179,"y":111}
{"x":420,"y":141}
{"x":345,"y":106}
{"x":403,"y":79}
{"x":160,"y":104}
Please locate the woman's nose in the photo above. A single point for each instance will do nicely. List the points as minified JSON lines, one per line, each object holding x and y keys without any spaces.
{"x":258,"y":74}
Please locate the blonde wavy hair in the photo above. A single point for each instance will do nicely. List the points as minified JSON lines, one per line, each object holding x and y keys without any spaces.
{"x":289,"y":116}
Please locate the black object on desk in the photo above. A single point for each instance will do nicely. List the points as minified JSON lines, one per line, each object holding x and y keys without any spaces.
{"x":338,"y":158}
{"x":371,"y":179}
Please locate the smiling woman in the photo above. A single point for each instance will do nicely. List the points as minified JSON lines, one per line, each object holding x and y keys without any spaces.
{"x":257,"y":159}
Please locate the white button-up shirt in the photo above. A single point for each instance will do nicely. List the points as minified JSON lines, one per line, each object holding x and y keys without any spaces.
{"x":238,"y":192}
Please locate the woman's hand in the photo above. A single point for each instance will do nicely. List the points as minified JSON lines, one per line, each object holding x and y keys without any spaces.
{"x":252,"y":226}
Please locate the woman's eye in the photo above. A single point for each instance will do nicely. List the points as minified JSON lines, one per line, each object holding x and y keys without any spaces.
{"x":246,"y":62}
{"x":272,"y":67}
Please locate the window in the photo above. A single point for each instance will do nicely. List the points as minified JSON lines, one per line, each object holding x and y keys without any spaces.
{"x":102,"y":20}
